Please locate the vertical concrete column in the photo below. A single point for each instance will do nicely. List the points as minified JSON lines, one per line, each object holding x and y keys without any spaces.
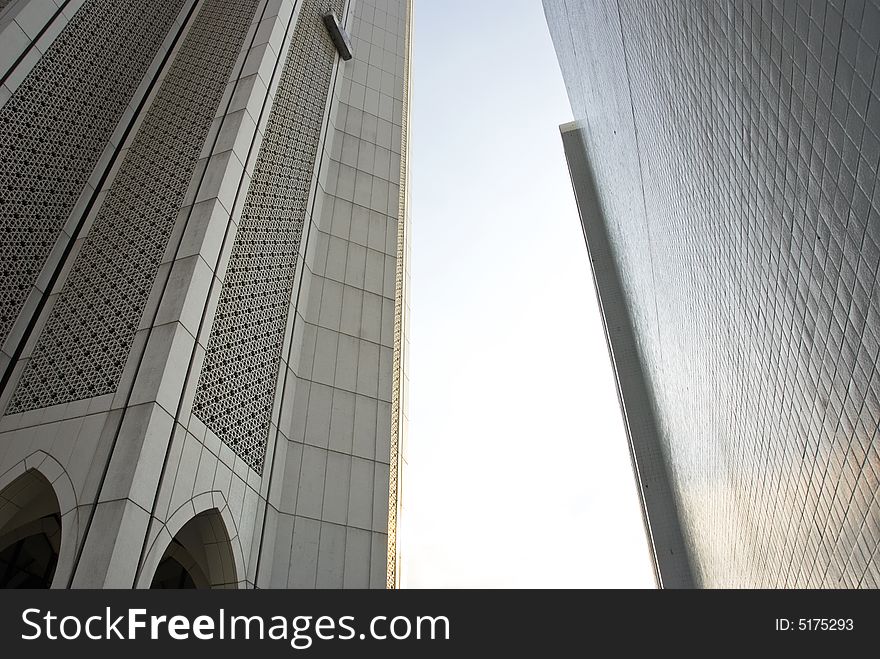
{"x":659,"y":508}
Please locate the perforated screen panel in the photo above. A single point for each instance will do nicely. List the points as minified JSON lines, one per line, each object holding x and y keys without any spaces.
{"x":236,"y":390}
{"x":85,"y":344}
{"x":56,"y":125}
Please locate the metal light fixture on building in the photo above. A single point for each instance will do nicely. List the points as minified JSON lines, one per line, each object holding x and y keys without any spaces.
{"x":339,"y":36}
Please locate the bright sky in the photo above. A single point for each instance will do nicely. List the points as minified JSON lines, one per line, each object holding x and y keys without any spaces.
{"x":519,"y":475}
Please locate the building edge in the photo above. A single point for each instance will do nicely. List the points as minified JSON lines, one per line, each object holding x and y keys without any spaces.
{"x":401,"y":316}
{"x":670,"y":555}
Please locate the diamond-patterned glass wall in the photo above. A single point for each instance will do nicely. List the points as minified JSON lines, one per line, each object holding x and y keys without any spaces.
{"x":736,"y":146}
{"x":55,"y":126}
{"x":236,"y":390}
{"x":85,"y":344}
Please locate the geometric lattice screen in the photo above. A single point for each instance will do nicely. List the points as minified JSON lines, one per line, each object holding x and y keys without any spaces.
{"x":236,"y":390}
{"x":84,"y":346}
{"x":56,"y":125}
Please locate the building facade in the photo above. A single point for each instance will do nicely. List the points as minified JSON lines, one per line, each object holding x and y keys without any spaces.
{"x":724,"y":158}
{"x":203,"y":292}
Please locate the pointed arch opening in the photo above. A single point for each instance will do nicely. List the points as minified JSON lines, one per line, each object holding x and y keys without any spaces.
{"x":198,"y":556}
{"x":30,"y":532}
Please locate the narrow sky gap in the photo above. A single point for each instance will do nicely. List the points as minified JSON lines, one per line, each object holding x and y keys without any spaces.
{"x":518,"y":472}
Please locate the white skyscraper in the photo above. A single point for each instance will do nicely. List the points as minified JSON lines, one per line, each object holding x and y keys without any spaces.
{"x":203,"y":275}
